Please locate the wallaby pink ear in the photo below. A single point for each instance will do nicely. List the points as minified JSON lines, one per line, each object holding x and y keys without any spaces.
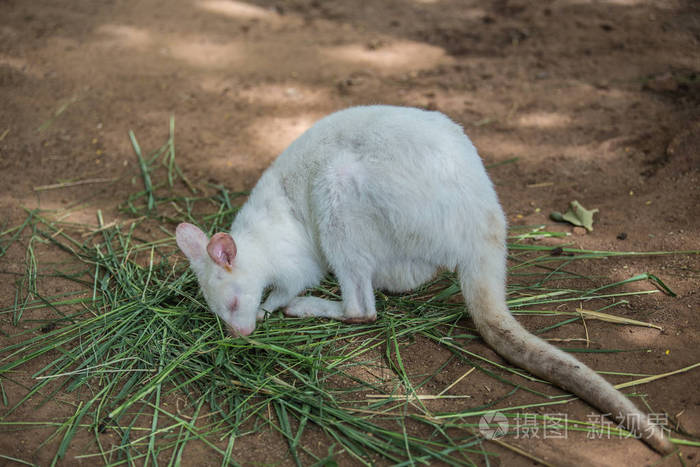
{"x":222,"y":249}
{"x":191,"y":241}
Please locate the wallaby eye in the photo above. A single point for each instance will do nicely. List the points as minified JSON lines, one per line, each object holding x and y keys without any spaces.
{"x":233,"y":307}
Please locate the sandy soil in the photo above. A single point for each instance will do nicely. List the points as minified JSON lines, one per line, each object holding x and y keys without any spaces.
{"x":599,"y":101}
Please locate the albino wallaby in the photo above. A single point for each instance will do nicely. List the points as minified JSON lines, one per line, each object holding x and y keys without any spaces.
{"x":383,"y":197}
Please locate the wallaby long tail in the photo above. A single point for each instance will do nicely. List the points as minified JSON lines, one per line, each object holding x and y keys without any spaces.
{"x":502,"y":332}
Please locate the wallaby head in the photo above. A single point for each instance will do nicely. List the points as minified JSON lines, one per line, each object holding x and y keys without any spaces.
{"x":225,"y":286}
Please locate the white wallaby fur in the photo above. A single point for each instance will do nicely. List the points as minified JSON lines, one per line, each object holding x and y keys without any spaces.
{"x":382,"y":197}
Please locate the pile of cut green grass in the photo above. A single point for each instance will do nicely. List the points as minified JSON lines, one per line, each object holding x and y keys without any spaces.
{"x":135,"y":333}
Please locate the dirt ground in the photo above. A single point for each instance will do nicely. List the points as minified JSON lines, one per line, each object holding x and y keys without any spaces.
{"x":599,"y":101}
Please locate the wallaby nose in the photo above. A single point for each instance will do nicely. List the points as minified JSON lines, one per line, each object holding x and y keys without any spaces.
{"x":240,"y":331}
